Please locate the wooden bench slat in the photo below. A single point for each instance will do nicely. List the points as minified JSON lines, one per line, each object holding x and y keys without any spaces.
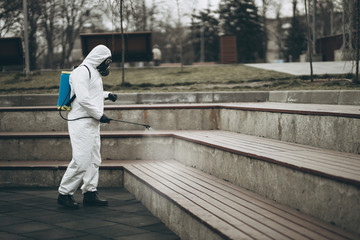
{"x":352,"y":169}
{"x":188,"y":205}
{"x":287,"y":223}
{"x":241,"y":226}
{"x":265,"y":143}
{"x":319,"y":160}
{"x":301,"y":164}
{"x":297,"y":160}
{"x":260,"y":214}
{"x":353,"y":159}
{"x":286,"y":213}
{"x":227,"y":211}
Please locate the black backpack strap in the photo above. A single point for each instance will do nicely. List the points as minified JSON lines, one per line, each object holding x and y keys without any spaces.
{"x":88,"y":70}
{"x":73,"y":97}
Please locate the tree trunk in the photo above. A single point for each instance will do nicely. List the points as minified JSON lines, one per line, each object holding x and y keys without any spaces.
{"x":122,"y":44}
{"x":357,"y":40}
{"x":310,"y":51}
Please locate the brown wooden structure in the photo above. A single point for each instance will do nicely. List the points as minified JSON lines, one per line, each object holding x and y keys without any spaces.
{"x":11,"y":51}
{"x":228,"y":54}
{"x":138,"y":45}
{"x":327,"y":46}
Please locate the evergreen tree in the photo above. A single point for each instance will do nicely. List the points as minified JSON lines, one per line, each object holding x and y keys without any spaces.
{"x":207,"y":26}
{"x":240,"y":18}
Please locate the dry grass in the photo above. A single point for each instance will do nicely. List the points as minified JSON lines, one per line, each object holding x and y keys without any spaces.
{"x":195,"y":78}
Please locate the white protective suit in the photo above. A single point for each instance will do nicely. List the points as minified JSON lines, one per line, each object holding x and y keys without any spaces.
{"x":85,"y":133}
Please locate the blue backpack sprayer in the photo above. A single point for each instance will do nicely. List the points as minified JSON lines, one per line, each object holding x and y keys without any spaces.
{"x":64,"y":100}
{"x":64,"y":92}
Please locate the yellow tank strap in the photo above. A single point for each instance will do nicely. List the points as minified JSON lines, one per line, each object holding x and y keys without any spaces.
{"x":65,"y":72}
{"x":66,"y":108}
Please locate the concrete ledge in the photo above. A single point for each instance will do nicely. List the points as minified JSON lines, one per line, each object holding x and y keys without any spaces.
{"x":341,"y":97}
{"x":223,"y":97}
{"x":28,"y":100}
{"x":345,"y":97}
{"x":156,"y":98}
{"x":348,"y":97}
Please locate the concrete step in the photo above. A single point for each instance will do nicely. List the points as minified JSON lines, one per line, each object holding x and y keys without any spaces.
{"x":335,"y":127}
{"x":321,"y":183}
{"x":199,"y":206}
{"x":342,"y":97}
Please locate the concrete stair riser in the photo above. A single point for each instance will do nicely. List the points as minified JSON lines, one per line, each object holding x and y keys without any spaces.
{"x":59,"y":148}
{"x":164,"y":119}
{"x":324,"y":198}
{"x":46,"y":177}
{"x":329,"y":132}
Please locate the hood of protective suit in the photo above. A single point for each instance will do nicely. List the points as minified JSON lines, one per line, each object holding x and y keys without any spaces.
{"x":97,"y":56}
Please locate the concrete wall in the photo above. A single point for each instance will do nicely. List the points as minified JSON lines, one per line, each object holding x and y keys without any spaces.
{"x":336,"y":133}
{"x":323,"y":198}
{"x":342,"y":97}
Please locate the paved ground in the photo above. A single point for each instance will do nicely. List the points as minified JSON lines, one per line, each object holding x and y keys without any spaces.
{"x":32,"y":213}
{"x":303,"y":68}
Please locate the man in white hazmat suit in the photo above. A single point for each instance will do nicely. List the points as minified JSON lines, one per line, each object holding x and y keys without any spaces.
{"x":86,"y":84}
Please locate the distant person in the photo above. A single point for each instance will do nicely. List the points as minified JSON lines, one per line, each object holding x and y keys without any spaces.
{"x":156,"y":55}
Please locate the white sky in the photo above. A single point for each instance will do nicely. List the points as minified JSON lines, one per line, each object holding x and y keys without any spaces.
{"x":286,"y":8}
{"x":186,"y":7}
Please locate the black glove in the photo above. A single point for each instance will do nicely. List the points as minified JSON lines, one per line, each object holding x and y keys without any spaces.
{"x":111,"y":97}
{"x":105,"y":119}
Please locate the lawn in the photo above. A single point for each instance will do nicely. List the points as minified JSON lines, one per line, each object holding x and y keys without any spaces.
{"x":194,"y":78}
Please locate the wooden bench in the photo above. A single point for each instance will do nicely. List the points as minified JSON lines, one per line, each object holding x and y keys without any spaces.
{"x":225,"y":210}
{"x":340,"y":166}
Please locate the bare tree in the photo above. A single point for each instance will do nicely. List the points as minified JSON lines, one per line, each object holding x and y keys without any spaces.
{"x":10,"y":17}
{"x":357,"y":40}
{"x":49,"y":16}
{"x":279,"y":36}
{"x":310,"y":51}
{"x":265,"y":6}
{"x":122,"y":43}
{"x":74,"y":14}
{"x":34,"y":12}
{"x":180,"y":34}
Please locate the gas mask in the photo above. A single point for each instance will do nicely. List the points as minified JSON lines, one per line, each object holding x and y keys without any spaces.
{"x":103,"y":68}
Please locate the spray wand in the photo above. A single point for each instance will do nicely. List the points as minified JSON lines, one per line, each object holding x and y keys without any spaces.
{"x":148,"y":127}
